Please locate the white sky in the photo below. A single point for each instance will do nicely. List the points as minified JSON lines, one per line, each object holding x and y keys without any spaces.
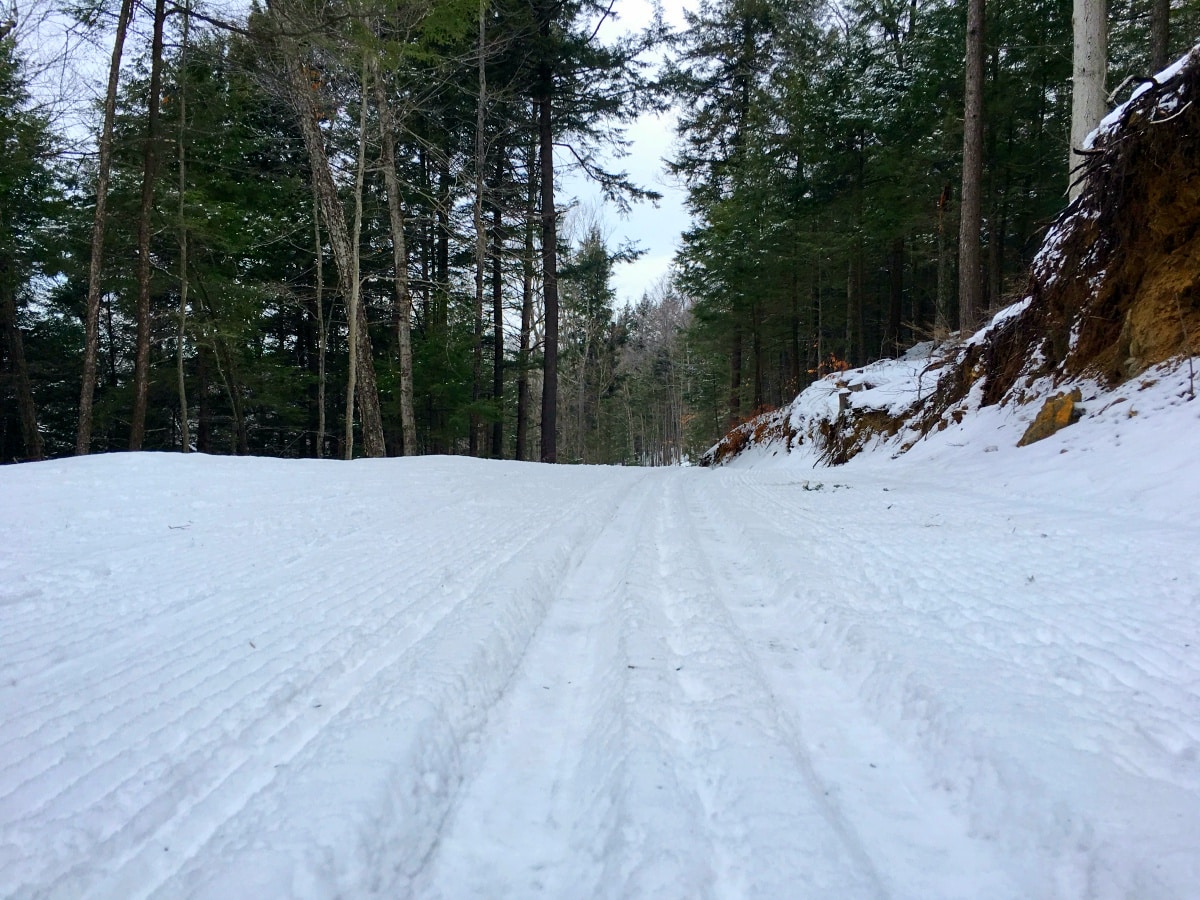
{"x":656,"y":230}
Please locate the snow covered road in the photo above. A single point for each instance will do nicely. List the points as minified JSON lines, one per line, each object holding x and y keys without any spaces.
{"x":451,"y":678}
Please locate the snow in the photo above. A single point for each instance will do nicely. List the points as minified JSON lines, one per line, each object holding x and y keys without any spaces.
{"x":970,"y":671}
{"x":1165,"y":105}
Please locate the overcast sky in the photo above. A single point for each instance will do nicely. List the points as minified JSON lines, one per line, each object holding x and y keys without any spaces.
{"x":656,"y":230}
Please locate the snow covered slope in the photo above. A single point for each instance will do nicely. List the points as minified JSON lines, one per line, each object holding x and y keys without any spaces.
{"x":957,"y":674}
{"x":1109,"y":309}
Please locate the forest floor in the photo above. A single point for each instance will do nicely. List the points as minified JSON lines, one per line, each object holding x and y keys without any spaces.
{"x":970,"y":672}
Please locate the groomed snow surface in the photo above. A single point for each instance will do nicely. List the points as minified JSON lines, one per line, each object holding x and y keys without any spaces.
{"x":973,"y":671}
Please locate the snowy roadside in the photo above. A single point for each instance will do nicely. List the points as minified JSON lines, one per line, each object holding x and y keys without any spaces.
{"x":963,"y":672}
{"x":298,"y":648}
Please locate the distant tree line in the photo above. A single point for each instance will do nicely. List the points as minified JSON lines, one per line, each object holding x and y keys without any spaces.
{"x":336,"y":228}
{"x":325,"y":229}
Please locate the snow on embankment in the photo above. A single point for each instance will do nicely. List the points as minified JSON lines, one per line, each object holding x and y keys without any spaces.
{"x":1113,"y":300}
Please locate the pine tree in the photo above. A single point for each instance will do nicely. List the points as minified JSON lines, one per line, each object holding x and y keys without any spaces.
{"x":25,"y":180}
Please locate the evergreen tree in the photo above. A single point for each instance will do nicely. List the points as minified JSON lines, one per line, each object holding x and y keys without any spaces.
{"x":26,"y":211}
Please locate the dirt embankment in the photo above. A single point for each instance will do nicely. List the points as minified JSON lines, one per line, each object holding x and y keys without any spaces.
{"x":1116,"y":287}
{"x":1114,"y":290}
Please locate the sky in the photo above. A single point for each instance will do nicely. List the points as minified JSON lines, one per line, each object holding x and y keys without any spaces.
{"x":656,"y":229}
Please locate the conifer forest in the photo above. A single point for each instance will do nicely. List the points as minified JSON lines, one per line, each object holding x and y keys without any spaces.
{"x":342,"y":228}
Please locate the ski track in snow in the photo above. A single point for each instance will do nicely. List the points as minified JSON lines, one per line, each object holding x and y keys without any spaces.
{"x":445,"y":678}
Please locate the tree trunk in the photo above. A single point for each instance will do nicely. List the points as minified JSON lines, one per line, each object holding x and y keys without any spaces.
{"x":549,"y":269}
{"x":970,"y":286}
{"x":1160,"y":34}
{"x":855,"y":319}
{"x":941,"y":315}
{"x":480,"y":232}
{"x":344,"y":251}
{"x":91,"y":343}
{"x":795,"y":363}
{"x":203,"y":403}
{"x":818,"y":316}
{"x":32,"y":436}
{"x":523,"y":392}
{"x":322,"y":330}
{"x":141,"y":371}
{"x":354,"y":322}
{"x":756,"y":343}
{"x":440,"y":327}
{"x":498,"y":320}
{"x":227,"y":373}
{"x":185,"y":437}
{"x":1090,"y":67}
{"x":403,"y":296}
{"x":233,"y":389}
{"x":895,"y":297}
{"x":735,"y":377}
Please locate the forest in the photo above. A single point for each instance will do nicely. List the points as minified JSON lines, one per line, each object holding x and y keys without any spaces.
{"x":339,"y":229}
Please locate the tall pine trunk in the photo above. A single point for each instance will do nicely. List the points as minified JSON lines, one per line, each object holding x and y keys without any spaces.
{"x":480,"y":231}
{"x":895,"y":297}
{"x":141,"y":371}
{"x":941,"y":313}
{"x":402,"y":293}
{"x":185,"y":437}
{"x":1160,"y":34}
{"x":91,"y":342}
{"x":549,"y":267}
{"x":523,"y":352}
{"x":354,"y":298}
{"x":322,"y":330}
{"x":856,"y":345}
{"x":498,"y":320}
{"x":970,"y":284}
{"x":735,"y":377}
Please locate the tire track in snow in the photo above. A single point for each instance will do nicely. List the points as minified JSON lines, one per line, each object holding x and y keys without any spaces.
{"x":407,"y":753}
{"x":85,"y":650}
{"x":872,"y":792}
{"x":1013,"y":597}
{"x":774,"y":828}
{"x":544,"y":790}
{"x":949,"y":575}
{"x":213,"y":720}
{"x":192,"y":647}
{"x":635,"y":754}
